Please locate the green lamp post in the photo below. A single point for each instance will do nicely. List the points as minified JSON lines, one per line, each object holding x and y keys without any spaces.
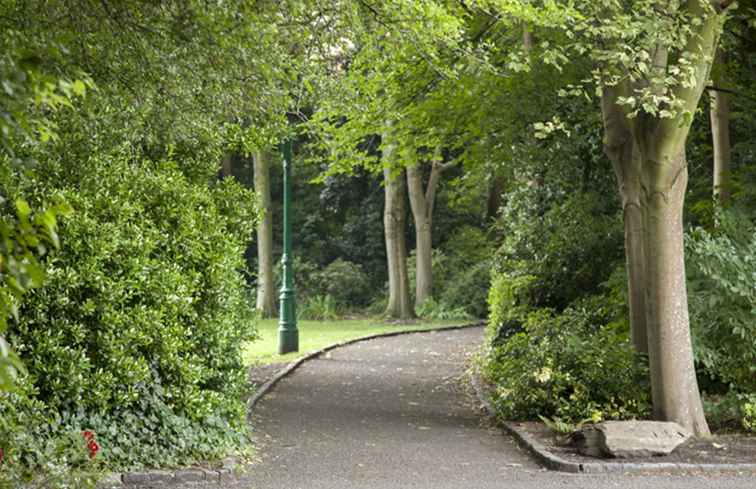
{"x":288,"y":334}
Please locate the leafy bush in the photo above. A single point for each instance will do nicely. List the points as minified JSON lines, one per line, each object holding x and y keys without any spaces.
{"x":466,"y":271}
{"x":37,"y":451}
{"x":468,"y":289}
{"x":572,"y":366}
{"x":508,"y":305}
{"x":731,"y":411}
{"x":345,"y":282}
{"x":722,"y":273}
{"x":319,"y":308}
{"x":430,"y":309}
{"x":569,"y":244}
{"x":138,"y":329}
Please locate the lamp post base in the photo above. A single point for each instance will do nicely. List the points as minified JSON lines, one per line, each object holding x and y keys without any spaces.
{"x":288,"y":341}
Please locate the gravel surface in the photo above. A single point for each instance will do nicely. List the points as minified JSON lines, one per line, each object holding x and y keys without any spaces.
{"x":395,"y":413}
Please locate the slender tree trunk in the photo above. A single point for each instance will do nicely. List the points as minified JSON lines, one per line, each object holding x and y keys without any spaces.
{"x":266,"y":294}
{"x":494,"y":201}
{"x":226,"y":165}
{"x":394,"y":222}
{"x":621,"y":150}
{"x":527,"y":39}
{"x":673,"y":376}
{"x":719,"y":113}
{"x":422,"y":201}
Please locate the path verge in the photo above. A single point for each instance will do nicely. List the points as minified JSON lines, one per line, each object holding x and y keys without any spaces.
{"x":556,"y":463}
{"x":163,"y":477}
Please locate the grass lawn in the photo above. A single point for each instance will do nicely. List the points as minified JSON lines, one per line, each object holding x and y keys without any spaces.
{"x":314,"y":335}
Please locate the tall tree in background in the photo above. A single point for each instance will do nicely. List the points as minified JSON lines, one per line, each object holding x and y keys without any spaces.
{"x":719,"y":115}
{"x":422,"y":200}
{"x":266,"y":297}
{"x":394,"y":223}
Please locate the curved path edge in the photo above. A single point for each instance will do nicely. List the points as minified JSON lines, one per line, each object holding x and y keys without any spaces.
{"x":556,"y":463}
{"x":224,"y":474}
{"x":291,"y":367}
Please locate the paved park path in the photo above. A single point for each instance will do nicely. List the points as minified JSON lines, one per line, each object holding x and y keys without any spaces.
{"x":396,"y":413}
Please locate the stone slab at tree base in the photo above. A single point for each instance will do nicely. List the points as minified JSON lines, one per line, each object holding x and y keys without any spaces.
{"x":630,"y":439}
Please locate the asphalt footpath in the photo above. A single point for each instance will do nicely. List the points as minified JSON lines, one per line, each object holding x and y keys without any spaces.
{"x":397,"y":413}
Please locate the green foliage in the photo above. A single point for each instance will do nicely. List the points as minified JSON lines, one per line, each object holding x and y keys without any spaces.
{"x":569,"y":243}
{"x":469,"y":288}
{"x":508,"y":306}
{"x":722,"y":272}
{"x":23,"y":239}
{"x":39,"y":452}
{"x":345,"y":282}
{"x":465,"y":273}
{"x":137,"y":331}
{"x":732,"y":411}
{"x":430,"y":309}
{"x":573,"y":366}
{"x":318,"y":308}
{"x":341,"y":282}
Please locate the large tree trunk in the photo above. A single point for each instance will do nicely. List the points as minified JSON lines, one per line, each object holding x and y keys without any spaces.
{"x":719,"y":113}
{"x":621,"y":150}
{"x":422,"y":201}
{"x":673,"y":378}
{"x":394,"y":222}
{"x":658,"y":147}
{"x":266,"y":294}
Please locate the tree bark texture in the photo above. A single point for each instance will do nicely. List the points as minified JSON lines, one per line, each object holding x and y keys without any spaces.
{"x":620,"y":148}
{"x":673,"y":377}
{"x":394,"y":223}
{"x":719,"y":114}
{"x":422,"y":201}
{"x":266,"y":293}
{"x":655,"y":148}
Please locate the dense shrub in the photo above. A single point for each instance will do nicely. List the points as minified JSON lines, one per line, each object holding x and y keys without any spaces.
{"x":722,"y":274}
{"x":469,"y":288}
{"x":570,"y":244}
{"x":138,"y":329}
{"x":430,"y":309}
{"x":346,"y":282}
{"x":573,"y":366}
{"x":467,"y":271}
{"x":319,"y":308}
{"x":508,"y":306}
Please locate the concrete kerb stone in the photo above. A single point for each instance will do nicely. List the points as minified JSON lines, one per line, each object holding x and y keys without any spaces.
{"x":227,"y":471}
{"x":556,"y":463}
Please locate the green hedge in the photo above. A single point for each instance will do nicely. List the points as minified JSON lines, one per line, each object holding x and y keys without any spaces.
{"x":138,"y":329}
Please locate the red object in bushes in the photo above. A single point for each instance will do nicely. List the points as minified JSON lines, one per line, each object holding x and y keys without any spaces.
{"x":92,"y":445}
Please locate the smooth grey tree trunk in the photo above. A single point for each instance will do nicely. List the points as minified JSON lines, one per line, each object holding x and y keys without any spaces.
{"x":719,"y":114}
{"x":422,"y":201}
{"x":658,"y":146}
{"x":620,"y":148}
{"x":673,"y":376}
{"x":394,"y":223}
{"x":266,"y":294}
